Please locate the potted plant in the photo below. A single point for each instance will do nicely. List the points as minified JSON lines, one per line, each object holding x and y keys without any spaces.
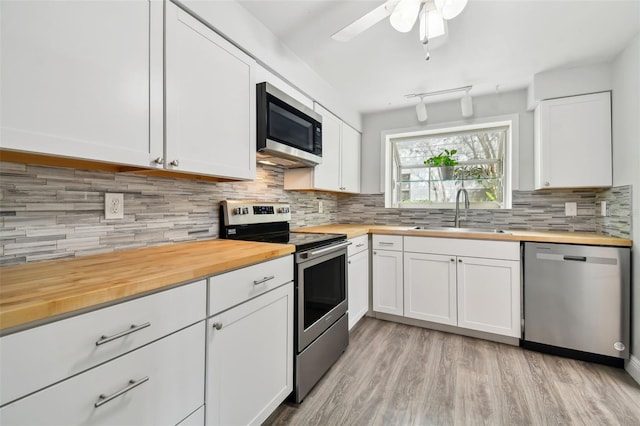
{"x":444,"y":161}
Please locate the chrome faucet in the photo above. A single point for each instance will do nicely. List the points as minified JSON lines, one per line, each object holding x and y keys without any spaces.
{"x":466,"y":205}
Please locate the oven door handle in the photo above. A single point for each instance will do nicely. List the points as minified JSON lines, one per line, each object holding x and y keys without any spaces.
{"x":324,"y":250}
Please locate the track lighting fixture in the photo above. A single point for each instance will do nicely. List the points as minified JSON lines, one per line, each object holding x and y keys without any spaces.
{"x":421,"y":111}
{"x":466,"y":103}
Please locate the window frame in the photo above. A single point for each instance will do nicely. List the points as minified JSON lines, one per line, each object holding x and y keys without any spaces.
{"x":511,"y":181}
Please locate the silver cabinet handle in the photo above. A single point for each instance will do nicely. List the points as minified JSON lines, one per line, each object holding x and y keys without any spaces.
{"x":385,"y":243}
{"x":175,"y":163}
{"x":158,"y":160}
{"x":547,"y":184}
{"x":264,"y":280}
{"x":103,"y":399}
{"x":460,"y":260}
{"x":359,"y":245}
{"x":452,"y":259}
{"x":217,"y":325}
{"x":132,"y":329}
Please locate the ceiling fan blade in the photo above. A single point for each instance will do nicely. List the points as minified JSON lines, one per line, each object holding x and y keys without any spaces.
{"x":363,"y":23}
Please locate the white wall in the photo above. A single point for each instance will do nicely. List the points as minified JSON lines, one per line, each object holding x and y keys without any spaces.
{"x":626,"y":157}
{"x":234,"y":22}
{"x":569,"y":82}
{"x":445,"y":112}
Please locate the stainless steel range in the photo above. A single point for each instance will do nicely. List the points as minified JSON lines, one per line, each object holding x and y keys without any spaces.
{"x":321,"y":325}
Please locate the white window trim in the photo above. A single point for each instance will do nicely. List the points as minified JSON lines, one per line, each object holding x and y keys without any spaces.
{"x":511,"y":148}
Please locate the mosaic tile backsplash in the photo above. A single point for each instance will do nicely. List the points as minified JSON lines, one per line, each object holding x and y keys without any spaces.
{"x":50,"y":212}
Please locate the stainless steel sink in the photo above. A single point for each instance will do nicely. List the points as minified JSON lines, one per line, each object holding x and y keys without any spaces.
{"x":453,"y":229}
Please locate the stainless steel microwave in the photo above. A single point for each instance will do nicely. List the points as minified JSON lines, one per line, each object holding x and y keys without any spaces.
{"x":289,"y":133}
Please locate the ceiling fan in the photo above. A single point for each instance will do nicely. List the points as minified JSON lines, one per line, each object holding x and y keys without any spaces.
{"x":403,"y":14}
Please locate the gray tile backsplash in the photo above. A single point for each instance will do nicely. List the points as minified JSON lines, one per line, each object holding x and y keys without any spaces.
{"x":51,"y":212}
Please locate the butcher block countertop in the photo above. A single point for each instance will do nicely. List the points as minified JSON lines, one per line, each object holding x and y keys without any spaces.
{"x":513,"y":235}
{"x":37,"y":291}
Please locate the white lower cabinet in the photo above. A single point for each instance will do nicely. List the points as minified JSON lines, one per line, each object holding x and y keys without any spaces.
{"x":430,"y":287}
{"x":358,"y":279}
{"x":451,"y":281}
{"x":489,"y":295}
{"x":158,"y":384}
{"x":250,"y":359}
{"x":387,"y":274}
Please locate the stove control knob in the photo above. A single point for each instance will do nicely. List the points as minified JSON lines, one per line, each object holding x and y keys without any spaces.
{"x":283,"y":210}
{"x":237,"y":210}
{"x":245,"y":210}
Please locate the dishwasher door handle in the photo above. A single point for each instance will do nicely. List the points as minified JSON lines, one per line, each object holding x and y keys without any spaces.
{"x":575,"y":258}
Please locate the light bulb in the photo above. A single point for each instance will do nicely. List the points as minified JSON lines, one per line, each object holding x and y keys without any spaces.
{"x":450,"y":8}
{"x":404,"y":15}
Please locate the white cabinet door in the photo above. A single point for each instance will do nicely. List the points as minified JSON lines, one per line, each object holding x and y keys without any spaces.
{"x":358,"y":280}
{"x":327,"y":174}
{"x":168,"y":385}
{"x":210,"y":101}
{"x":573,"y":142}
{"x":250,"y":359}
{"x":489,"y":295}
{"x":350,"y":160}
{"x":387,"y":280}
{"x":430,"y":288}
{"x":76,"y":78}
{"x":340,"y":167}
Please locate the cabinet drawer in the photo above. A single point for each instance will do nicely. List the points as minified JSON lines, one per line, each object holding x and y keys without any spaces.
{"x":38,"y":357}
{"x":229,"y":289}
{"x":508,"y":250}
{"x":387,"y":242}
{"x":174,"y":367}
{"x":358,"y":244}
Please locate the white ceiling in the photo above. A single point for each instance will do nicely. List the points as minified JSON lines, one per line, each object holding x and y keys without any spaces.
{"x":493,"y":44}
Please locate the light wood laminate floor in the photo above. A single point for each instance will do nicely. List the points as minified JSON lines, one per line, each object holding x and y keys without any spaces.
{"x":394,"y":374}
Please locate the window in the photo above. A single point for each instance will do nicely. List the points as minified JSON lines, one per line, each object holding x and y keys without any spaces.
{"x":483,"y":153}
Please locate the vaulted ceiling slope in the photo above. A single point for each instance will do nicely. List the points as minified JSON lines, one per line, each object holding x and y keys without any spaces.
{"x":492,"y":44}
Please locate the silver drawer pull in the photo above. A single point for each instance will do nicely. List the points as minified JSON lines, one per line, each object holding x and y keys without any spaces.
{"x":385,"y":243}
{"x":264,"y":280}
{"x":132,"y":329}
{"x":103,"y":399}
{"x":217,"y":325}
{"x":359,"y":245}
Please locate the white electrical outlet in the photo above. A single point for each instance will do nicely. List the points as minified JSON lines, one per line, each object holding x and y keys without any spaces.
{"x":603,"y":208}
{"x":571,"y":209}
{"x":113,"y":206}
{"x":320,"y":207}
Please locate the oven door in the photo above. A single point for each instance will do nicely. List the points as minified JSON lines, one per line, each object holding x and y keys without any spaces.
{"x":322,"y":290}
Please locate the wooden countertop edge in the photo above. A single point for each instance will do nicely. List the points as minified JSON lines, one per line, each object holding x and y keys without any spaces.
{"x":354,"y":230}
{"x":22,"y":314}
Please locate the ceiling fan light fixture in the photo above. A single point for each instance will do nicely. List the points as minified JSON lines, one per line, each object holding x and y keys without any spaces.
{"x":421,"y":111}
{"x":436,"y":25}
{"x":450,"y":8}
{"x":404,"y":15}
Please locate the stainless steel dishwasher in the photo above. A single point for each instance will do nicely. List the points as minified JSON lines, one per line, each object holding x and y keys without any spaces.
{"x":576,"y":301}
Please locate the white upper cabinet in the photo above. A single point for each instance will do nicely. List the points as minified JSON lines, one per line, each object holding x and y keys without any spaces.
{"x":76,"y":78}
{"x":210,"y":101}
{"x":573,"y":142}
{"x":340,"y":167}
